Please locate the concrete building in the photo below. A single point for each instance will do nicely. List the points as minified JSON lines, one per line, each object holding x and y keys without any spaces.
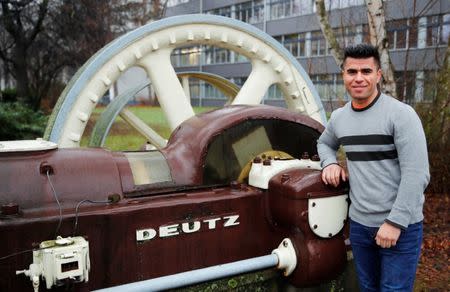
{"x":418,"y":33}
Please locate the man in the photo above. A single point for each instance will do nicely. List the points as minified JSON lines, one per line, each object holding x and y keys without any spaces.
{"x":388,"y":171}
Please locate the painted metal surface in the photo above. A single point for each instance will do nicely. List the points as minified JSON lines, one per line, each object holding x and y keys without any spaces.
{"x":198,"y":223}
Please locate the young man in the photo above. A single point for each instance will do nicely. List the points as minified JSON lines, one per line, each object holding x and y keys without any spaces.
{"x":388,"y":171}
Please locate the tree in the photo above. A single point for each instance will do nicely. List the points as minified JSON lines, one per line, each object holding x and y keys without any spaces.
{"x":22,"y":21}
{"x":378,"y":38}
{"x":40,"y":39}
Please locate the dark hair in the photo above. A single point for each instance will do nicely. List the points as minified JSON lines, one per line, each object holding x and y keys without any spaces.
{"x":361,"y":51}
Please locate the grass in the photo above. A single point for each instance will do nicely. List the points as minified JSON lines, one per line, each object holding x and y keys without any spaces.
{"x":124,"y":137}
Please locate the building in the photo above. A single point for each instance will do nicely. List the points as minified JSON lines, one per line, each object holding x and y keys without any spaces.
{"x":418,"y":33}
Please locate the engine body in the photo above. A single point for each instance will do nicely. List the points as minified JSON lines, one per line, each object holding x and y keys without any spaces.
{"x":154,"y":213}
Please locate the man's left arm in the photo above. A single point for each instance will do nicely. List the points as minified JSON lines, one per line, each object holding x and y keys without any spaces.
{"x":410,"y":143}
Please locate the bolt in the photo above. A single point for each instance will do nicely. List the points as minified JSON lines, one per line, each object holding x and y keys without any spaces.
{"x":263,"y":156}
{"x":313,"y":204}
{"x":285,"y":244}
{"x":257,"y":159}
{"x":235,"y":185}
{"x":305,"y":155}
{"x":330,"y":235}
{"x":315,"y":157}
{"x":266,"y":162}
{"x":315,"y":226}
{"x":10,"y":209}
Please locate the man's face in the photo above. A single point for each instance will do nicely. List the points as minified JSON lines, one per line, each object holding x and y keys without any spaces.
{"x":361,"y":77}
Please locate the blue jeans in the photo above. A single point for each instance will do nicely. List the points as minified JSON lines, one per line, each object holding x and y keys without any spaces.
{"x":385,"y":269}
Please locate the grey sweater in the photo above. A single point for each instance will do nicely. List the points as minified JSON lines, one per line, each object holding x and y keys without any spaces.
{"x":387,"y":160}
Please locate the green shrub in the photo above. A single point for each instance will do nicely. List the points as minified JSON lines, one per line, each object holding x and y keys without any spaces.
{"x":17,"y":121}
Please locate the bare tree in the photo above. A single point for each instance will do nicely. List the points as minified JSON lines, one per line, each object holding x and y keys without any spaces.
{"x":41,"y":39}
{"x":378,"y":38}
{"x":327,"y":30}
{"x":22,"y":21}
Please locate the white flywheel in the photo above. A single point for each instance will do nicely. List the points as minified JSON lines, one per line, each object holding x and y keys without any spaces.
{"x":150,"y":47}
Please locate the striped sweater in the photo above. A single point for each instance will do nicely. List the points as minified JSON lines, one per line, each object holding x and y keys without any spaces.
{"x":387,"y":160}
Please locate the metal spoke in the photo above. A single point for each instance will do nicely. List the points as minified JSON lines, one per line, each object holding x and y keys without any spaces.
{"x":169,"y":90}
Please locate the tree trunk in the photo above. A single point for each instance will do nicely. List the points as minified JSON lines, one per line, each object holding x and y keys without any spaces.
{"x":378,"y":38}
{"x":328,"y":32}
{"x":19,"y":64}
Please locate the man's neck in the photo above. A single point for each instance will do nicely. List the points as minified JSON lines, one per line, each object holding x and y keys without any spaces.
{"x":360,"y":105}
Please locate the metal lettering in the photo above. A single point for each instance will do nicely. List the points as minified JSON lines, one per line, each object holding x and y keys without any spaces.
{"x":169,"y":230}
{"x":195,"y":227}
{"x":231,"y":220}
{"x":186,"y":227}
{"x":211,"y":222}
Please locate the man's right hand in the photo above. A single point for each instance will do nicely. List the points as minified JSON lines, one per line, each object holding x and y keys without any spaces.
{"x":332,"y":174}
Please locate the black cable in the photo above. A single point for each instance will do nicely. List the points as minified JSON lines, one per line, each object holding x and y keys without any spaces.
{"x":78,"y":206}
{"x":57,"y":201}
{"x":14,"y":254}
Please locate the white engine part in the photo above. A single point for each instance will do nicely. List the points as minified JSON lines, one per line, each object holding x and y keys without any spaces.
{"x":287,"y":259}
{"x":261,"y":174}
{"x":60,"y":259}
{"x":326,"y":216}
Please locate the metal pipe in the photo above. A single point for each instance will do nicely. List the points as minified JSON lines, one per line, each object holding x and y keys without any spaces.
{"x":197,"y":276}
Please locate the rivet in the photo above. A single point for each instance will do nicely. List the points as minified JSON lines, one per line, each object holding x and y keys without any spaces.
{"x":313,"y":204}
{"x":285,"y":244}
{"x":330,"y":235}
{"x":315,"y":226}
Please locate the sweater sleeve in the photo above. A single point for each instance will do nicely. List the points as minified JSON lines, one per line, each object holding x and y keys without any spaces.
{"x":409,"y":139}
{"x":328,"y":144}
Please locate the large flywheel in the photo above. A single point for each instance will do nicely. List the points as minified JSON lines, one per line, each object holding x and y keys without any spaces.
{"x":150,"y":47}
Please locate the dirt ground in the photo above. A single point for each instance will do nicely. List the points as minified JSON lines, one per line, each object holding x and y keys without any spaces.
{"x":434,"y":267}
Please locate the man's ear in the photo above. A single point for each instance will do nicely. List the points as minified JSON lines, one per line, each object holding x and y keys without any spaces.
{"x":379,"y":75}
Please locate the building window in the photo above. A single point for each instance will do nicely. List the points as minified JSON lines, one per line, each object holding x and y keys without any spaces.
{"x":413,"y":33}
{"x":239,"y":81}
{"x":216,"y":55}
{"x":244,"y":11}
{"x":438,"y":29}
{"x":172,"y":3}
{"x":405,"y":82}
{"x":318,"y":44}
{"x":274,"y":92}
{"x":349,"y":35}
{"x":288,"y":8}
{"x":339,"y":4}
{"x":182,"y":57}
{"x":396,"y":33}
{"x":223,"y":11}
{"x":294,"y":43}
{"x":330,"y":87}
{"x":290,"y":42}
{"x":211,"y":91}
{"x":258,"y":11}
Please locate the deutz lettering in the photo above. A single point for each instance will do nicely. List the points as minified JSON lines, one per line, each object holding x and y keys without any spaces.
{"x":186,"y":227}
